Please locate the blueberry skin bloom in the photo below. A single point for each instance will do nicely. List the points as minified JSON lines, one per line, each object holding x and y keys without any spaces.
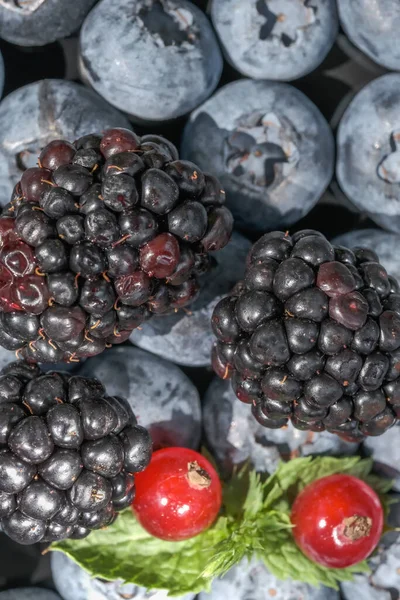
{"x":40,"y":112}
{"x":269,"y":146}
{"x":278,"y":39}
{"x":368,"y":159}
{"x":1,"y":74}
{"x":154,"y":59}
{"x":39,"y":22}
{"x":373,"y":27}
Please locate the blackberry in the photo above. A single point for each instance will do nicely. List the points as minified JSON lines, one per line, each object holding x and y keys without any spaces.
{"x":69,"y":454}
{"x":312,"y":336}
{"x":104,"y":233}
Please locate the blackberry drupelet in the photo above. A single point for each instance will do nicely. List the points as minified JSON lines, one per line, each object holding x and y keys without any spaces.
{"x":68,"y":454}
{"x":101,"y":235}
{"x":312,"y":334}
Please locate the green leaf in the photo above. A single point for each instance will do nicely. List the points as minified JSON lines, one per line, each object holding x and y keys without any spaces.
{"x":287,"y":561}
{"x":255,"y":521}
{"x":126,"y":551}
{"x":300,"y":472}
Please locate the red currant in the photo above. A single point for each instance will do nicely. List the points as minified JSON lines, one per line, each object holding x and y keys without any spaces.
{"x":338,"y":521}
{"x":178,"y":495}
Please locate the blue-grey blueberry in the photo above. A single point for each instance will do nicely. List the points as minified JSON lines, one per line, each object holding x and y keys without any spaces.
{"x":1,"y":74}
{"x":385,"y":244}
{"x":154,"y":59}
{"x":269,"y":145}
{"x":74,"y":583}
{"x":37,"y":113}
{"x":186,"y":337}
{"x":368,"y":144}
{"x":39,"y":22}
{"x":385,"y":450}
{"x":162,"y":397}
{"x":31,"y":593}
{"x":248,"y":581}
{"x":373,"y":27}
{"x":275,"y":39}
{"x":234,"y":436}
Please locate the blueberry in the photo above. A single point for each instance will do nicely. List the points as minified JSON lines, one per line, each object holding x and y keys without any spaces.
{"x":168,"y":405}
{"x":1,"y":74}
{"x":274,"y":167}
{"x":29,"y":593}
{"x":187,"y":338}
{"x":252,"y":579}
{"x":74,"y":583}
{"x":278,"y":40}
{"x":375,"y":37}
{"x":234,"y":436}
{"x":164,"y":43}
{"x":374,"y":172}
{"x":386,"y":463}
{"x":31,"y":125}
{"x":23,"y":25}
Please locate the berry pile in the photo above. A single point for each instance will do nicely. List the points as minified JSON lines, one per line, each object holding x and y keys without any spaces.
{"x":101,"y":235}
{"x":68,"y":455}
{"x":312,"y":334}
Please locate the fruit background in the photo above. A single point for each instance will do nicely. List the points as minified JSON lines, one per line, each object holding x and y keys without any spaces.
{"x":69,"y":72}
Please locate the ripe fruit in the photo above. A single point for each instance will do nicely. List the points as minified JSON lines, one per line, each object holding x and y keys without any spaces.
{"x":102,"y":225}
{"x":68,"y":454}
{"x":179,"y":494}
{"x":338,"y":521}
{"x":311,"y":335}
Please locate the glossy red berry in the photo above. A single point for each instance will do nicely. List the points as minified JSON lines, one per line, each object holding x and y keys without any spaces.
{"x":337,"y":520}
{"x":178,"y":495}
